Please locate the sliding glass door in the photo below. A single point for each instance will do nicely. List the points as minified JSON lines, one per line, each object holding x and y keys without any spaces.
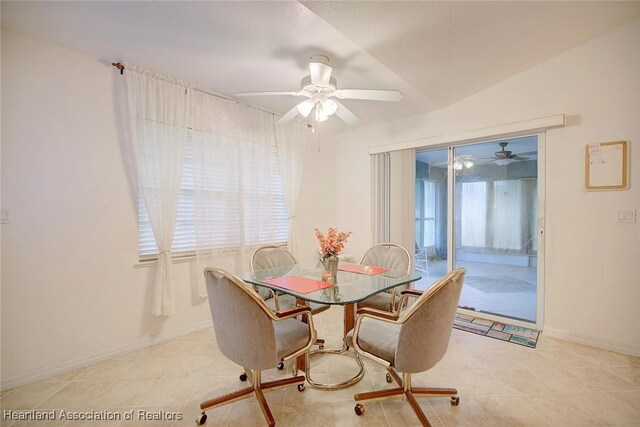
{"x":485,"y":198}
{"x":431,"y":224}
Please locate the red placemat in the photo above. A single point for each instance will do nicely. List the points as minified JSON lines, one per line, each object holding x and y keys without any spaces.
{"x":362,"y":269}
{"x":301,"y":285}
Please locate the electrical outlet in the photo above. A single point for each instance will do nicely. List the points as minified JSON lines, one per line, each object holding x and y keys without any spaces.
{"x":626,"y":215}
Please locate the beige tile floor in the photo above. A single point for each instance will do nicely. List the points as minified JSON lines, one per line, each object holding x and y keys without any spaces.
{"x":500,"y":384}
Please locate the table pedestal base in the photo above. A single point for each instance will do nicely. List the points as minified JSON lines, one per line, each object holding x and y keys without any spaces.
{"x":335,"y":386}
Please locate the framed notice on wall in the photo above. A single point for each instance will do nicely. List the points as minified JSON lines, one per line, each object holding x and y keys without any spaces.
{"x":607,"y":166}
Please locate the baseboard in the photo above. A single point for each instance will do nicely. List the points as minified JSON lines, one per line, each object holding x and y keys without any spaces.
{"x":43,"y":373}
{"x":591,"y":341}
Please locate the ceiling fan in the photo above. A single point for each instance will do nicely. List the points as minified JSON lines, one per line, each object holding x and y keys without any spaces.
{"x":504,"y":157}
{"x":322,"y":95}
{"x":463,"y":161}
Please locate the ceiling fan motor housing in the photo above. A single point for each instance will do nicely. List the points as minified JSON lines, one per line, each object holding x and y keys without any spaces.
{"x":503,"y":153}
{"x":306,"y":84}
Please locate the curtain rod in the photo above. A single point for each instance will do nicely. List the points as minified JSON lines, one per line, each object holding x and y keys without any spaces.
{"x":120,"y":66}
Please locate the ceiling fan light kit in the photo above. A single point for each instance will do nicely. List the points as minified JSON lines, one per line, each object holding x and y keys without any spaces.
{"x":319,"y":87}
{"x":503,"y":162}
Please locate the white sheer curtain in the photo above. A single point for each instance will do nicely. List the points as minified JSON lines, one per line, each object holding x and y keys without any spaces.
{"x":473,"y":214}
{"x":158,"y":110}
{"x":234,"y":200}
{"x":495,"y":215}
{"x":508,"y":218}
{"x":221,"y":156}
{"x":292,"y":144}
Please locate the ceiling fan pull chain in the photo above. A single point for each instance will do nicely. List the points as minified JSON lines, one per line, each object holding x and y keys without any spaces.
{"x":317,"y":133}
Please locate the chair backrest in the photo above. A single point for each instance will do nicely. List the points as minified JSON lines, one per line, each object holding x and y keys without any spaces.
{"x":389,"y":255}
{"x":244,"y":330}
{"x":270,"y":256}
{"x":426,"y":329}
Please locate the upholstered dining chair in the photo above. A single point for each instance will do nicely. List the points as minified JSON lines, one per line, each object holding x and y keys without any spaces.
{"x":411,"y":342}
{"x":273,"y":256}
{"x":250,"y":334}
{"x":388,"y":255}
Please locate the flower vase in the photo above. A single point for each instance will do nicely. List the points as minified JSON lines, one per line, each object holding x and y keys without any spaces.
{"x":330,"y":262}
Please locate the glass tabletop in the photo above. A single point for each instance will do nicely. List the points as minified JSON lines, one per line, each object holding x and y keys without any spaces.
{"x":349,"y":288}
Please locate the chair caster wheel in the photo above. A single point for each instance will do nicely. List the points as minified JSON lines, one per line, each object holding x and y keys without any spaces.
{"x":388,"y":378}
{"x":201,"y":419}
{"x":359,"y":409}
{"x":301,"y":387}
{"x":243,"y":377}
{"x":280,"y":366}
{"x":455,"y":401}
{"x":321,"y":347}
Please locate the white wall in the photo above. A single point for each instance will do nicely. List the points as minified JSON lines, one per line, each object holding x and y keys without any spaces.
{"x":2,"y":205}
{"x":592,"y":283}
{"x":70,"y":294}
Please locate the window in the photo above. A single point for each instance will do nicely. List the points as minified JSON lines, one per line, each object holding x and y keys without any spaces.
{"x":425,"y":213}
{"x":240,"y":203}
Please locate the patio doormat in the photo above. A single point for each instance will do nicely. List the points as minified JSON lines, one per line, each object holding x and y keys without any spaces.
{"x":501,"y":331}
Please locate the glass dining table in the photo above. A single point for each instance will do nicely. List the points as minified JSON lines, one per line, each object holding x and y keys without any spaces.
{"x":349,"y":288}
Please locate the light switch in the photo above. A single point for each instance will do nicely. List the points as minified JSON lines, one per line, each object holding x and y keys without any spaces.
{"x":626,"y":215}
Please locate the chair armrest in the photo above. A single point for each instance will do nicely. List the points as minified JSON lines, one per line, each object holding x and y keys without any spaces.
{"x":406,"y":294}
{"x":373,"y":312}
{"x":411,"y":292}
{"x":297,"y":311}
{"x":292,"y":312}
{"x":274,"y":295}
{"x":271,"y":291}
{"x":379,"y":315}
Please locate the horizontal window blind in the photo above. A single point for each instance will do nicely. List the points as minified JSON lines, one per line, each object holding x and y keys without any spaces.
{"x":238,"y":206}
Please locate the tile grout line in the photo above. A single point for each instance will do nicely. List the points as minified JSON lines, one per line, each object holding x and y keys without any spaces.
{"x":51,"y":395}
{"x":608,"y":393}
{"x":607,"y":368}
{"x":436,"y":413}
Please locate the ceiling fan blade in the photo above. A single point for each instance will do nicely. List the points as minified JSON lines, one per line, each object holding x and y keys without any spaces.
{"x":289,"y":93}
{"x":346,"y":115}
{"x":289,"y":115}
{"x":305,"y":107}
{"x":527,"y":153}
{"x":370,"y":94}
{"x":519,"y":158}
{"x":320,"y":73}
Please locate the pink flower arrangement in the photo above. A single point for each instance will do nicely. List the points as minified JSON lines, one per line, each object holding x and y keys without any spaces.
{"x":333,"y":242}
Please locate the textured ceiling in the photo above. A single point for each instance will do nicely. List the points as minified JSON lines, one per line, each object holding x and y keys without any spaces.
{"x":435,"y":53}
{"x":450,"y":50}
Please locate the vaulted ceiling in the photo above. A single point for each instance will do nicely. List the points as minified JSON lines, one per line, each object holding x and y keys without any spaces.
{"x":435,"y":53}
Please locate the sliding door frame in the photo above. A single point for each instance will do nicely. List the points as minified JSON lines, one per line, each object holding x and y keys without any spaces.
{"x":540,"y":229}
